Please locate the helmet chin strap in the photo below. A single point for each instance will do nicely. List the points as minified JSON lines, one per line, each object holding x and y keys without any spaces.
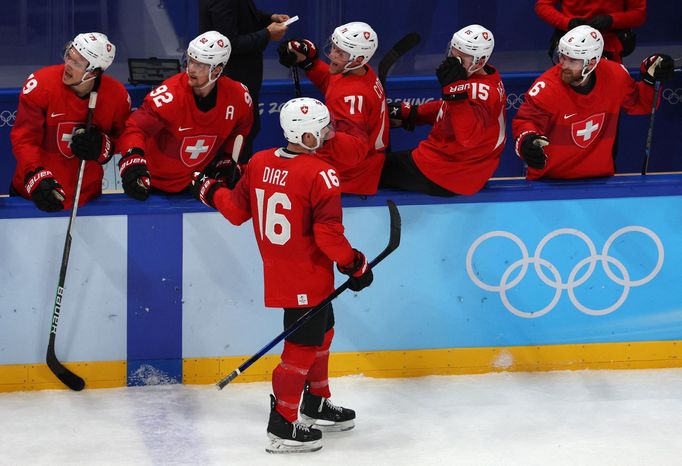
{"x":83,"y":80}
{"x":210,"y":72}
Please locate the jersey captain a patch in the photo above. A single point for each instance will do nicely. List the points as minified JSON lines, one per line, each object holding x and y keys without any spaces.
{"x":195,"y":149}
{"x":586,"y":131}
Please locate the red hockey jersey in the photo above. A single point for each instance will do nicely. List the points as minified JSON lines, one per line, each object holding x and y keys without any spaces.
{"x":295,"y":203}
{"x":360,"y":101}
{"x":581,"y":128}
{"x":179,"y":139}
{"x":47,"y":114}
{"x":463,"y":148}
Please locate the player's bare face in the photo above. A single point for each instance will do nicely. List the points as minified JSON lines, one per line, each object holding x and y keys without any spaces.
{"x":338,"y":59}
{"x":571,"y":70}
{"x":74,"y":67}
{"x":197,"y":73}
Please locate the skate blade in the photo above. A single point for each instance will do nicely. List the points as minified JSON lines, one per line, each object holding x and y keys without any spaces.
{"x":277,"y":445}
{"x":327,"y":426}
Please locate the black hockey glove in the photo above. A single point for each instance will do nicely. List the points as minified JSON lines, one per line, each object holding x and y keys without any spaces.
{"x":360,"y":274}
{"x":226,"y":171}
{"x":135,"y":175}
{"x":402,"y":114}
{"x":601,"y":22}
{"x":288,"y":58}
{"x":204,"y":188}
{"x":91,"y":145}
{"x":449,"y":73}
{"x":575,"y":22}
{"x":44,"y":190}
{"x":657,"y":67}
{"x":530,"y":147}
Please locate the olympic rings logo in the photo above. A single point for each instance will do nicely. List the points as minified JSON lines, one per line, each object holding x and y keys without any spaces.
{"x":7,"y":118}
{"x":515,"y":100}
{"x":573,"y":281}
{"x":673,"y":96}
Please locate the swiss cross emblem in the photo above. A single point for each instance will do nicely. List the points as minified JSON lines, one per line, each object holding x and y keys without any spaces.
{"x":586,"y":131}
{"x":221,"y":43}
{"x":64,"y":132}
{"x":593,"y":34}
{"x":195,"y":150}
{"x":485,"y":35}
{"x":366,"y":34}
{"x":304,"y":109}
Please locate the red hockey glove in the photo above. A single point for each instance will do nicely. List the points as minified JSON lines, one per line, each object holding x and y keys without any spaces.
{"x":44,"y":191}
{"x":135,"y":175}
{"x":450,"y":73}
{"x":360,"y":273}
{"x":657,"y":67}
{"x":91,"y":145}
{"x":204,"y":188}
{"x":226,"y":171}
{"x":402,"y":114}
{"x":287,"y":57}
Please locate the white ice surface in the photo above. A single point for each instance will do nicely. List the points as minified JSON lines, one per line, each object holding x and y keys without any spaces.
{"x":556,"y":418}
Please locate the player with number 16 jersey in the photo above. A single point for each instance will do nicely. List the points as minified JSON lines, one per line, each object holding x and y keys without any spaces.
{"x":189,"y":121}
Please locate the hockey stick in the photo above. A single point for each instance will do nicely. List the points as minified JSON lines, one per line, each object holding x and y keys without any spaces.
{"x":297,"y":81}
{"x":650,"y":132}
{"x":404,"y":45}
{"x":67,"y":377}
{"x":393,"y":243}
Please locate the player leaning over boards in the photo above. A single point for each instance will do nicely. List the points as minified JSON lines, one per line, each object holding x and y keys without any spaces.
{"x":355,"y":99}
{"x":49,"y":138}
{"x":566,"y":127}
{"x":467,"y":136}
{"x":295,"y":202}
{"x":192,"y":120}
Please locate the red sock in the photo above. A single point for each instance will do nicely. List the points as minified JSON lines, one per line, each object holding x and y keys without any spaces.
{"x":318,"y":375}
{"x":289,"y":377}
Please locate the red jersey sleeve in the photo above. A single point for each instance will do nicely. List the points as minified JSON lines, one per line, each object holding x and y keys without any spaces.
{"x":28,"y":131}
{"x":243,"y":125}
{"x":327,"y":219}
{"x":143,"y":123}
{"x":632,"y":16}
{"x":427,"y":112}
{"x":637,"y":96}
{"x":235,"y":205}
{"x":319,"y":75}
{"x":470,"y":120}
{"x":548,"y":12}
{"x":534,"y":114}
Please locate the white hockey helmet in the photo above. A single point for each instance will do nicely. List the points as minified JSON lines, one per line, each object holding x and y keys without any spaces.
{"x":474,"y":40}
{"x":357,"y":39}
{"x":95,"y":48}
{"x":305,"y":115}
{"x":211,"y":48}
{"x":583,"y":43}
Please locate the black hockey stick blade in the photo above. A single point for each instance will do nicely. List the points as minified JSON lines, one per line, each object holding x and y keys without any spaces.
{"x":67,"y":377}
{"x":393,"y":243}
{"x":404,"y":45}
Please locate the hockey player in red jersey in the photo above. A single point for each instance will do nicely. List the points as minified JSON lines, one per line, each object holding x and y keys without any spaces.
{"x":355,"y":98}
{"x":192,"y":120}
{"x":463,"y":149}
{"x":566,"y":127}
{"x":294,"y":200}
{"x":49,"y":138}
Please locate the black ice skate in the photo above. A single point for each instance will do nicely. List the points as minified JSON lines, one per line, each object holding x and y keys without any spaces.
{"x":288,"y":437}
{"x":319,"y":412}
